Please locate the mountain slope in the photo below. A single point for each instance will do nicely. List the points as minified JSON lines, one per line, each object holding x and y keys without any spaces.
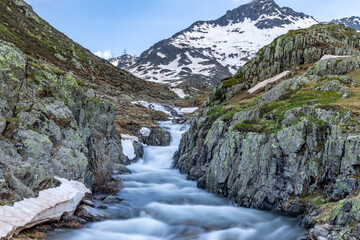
{"x":20,"y":25}
{"x":62,"y":108}
{"x":353,"y":22}
{"x":209,"y":51}
{"x":124,"y":61}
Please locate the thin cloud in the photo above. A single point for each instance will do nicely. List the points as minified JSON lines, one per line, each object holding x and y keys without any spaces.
{"x":106,"y":54}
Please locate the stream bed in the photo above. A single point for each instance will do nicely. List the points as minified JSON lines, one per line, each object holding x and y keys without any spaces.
{"x":159,"y":203}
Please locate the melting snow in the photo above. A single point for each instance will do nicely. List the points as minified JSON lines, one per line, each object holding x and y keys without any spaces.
{"x":188,"y":110}
{"x":266,"y":82}
{"x":333,"y":56}
{"x":145,"y":132}
{"x":128,"y":148}
{"x":50,"y":205}
{"x":179,"y":92}
{"x":129,"y":137}
{"x":161,"y":55}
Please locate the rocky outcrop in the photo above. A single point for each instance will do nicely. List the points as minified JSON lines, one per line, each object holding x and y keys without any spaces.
{"x":296,"y":48}
{"x":157,"y":137}
{"x":292,"y":149}
{"x":49,"y":127}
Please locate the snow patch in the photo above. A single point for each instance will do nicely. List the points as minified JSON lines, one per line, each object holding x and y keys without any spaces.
{"x":128,"y":148}
{"x":145,"y":132}
{"x":161,"y":55}
{"x":266,"y":82}
{"x":179,"y":92}
{"x":188,"y":110}
{"x":129,"y":137}
{"x":333,"y":56}
{"x":50,"y":205}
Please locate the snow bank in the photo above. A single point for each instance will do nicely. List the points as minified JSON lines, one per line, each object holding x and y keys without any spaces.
{"x":266,"y":82}
{"x":50,"y":205}
{"x":188,"y":110}
{"x":179,"y":92}
{"x":128,"y":148}
{"x":333,"y":56}
{"x":129,"y":137}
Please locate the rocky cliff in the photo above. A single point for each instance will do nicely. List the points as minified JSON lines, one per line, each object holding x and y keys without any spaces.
{"x":50,"y":127}
{"x":289,"y":143}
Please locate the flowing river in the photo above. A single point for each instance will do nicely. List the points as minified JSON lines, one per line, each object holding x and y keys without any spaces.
{"x":159,"y":203}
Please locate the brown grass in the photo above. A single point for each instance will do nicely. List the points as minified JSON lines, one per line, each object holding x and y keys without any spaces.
{"x":195,"y":101}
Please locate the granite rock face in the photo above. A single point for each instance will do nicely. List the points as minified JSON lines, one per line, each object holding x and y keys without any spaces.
{"x":49,"y":127}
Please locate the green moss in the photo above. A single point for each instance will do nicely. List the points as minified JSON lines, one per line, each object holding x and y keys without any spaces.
{"x":93,"y":99}
{"x":56,"y":70}
{"x":216,"y":111}
{"x":258,"y":125}
{"x":229,"y":115}
{"x":233,"y":81}
{"x":297,"y":99}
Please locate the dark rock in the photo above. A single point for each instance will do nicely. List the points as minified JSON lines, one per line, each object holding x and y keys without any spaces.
{"x":72,"y":218}
{"x":112,"y":199}
{"x":344,"y":187}
{"x":158,"y":137}
{"x":139,"y":149}
{"x":294,"y":208}
{"x":121,"y":169}
{"x":320,"y":231}
{"x":89,"y":203}
{"x":92,"y":214}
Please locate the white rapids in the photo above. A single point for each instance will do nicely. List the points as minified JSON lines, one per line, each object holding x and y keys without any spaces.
{"x":159,"y":203}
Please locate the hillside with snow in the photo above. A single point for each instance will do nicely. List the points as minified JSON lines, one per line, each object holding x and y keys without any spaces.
{"x":353,"y":22}
{"x":209,"y":51}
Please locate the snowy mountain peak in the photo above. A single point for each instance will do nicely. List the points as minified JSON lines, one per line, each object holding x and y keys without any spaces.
{"x":123,"y":61}
{"x":353,"y":22}
{"x":266,"y":12}
{"x":209,"y":51}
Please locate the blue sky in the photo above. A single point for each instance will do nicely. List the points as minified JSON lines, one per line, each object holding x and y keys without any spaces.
{"x":112,"y":25}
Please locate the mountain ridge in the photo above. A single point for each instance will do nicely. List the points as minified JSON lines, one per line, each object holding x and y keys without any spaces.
{"x":208,"y":51}
{"x":353,"y":22}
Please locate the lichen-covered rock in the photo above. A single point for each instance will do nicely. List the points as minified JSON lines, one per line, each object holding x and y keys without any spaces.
{"x":335,"y":86}
{"x":335,"y":66}
{"x":12,"y":75}
{"x":50,"y":128}
{"x":283,"y":88}
{"x":344,"y":187}
{"x":294,"y":148}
